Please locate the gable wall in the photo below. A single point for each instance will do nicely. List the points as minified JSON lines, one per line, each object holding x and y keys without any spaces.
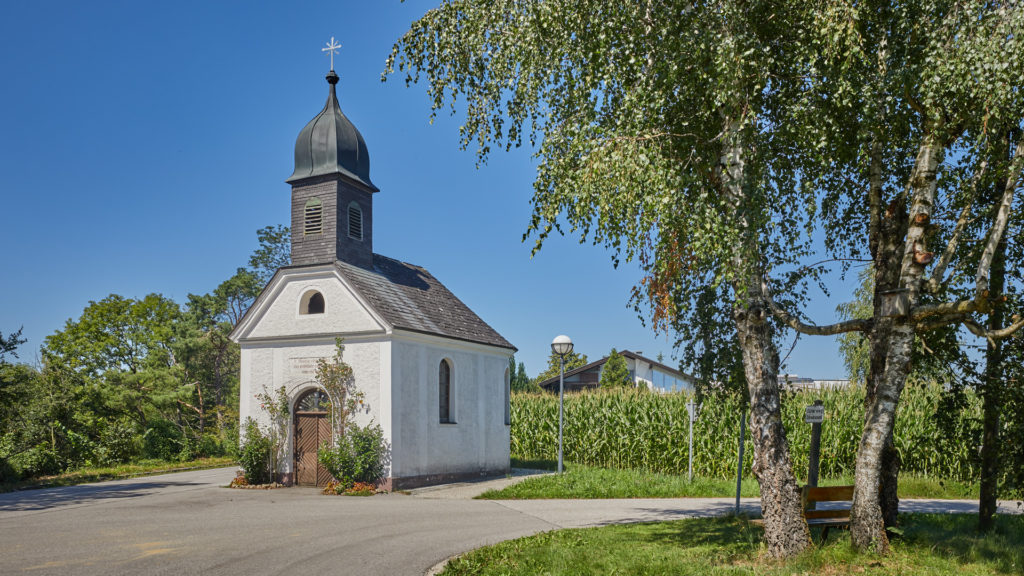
{"x":270,"y":365}
{"x":343,"y":312}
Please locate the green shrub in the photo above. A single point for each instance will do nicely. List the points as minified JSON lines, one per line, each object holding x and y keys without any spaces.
{"x":7,"y":472}
{"x":210,"y":445}
{"x":119,"y":442}
{"x":358,"y":456}
{"x":162,"y":440}
{"x":254,"y":454}
{"x":38,"y":461}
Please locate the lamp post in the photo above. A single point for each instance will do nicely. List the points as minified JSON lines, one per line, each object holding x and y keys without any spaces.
{"x":561,"y":346}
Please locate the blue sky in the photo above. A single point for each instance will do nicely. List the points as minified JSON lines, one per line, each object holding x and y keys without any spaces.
{"x":142,"y":144}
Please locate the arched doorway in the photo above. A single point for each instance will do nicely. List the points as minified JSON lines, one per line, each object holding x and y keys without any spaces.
{"x":312,"y":429}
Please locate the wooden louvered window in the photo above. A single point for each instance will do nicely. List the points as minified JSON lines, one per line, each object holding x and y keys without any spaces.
{"x":314,"y":217}
{"x":355,"y":221}
{"x":444,"y":381}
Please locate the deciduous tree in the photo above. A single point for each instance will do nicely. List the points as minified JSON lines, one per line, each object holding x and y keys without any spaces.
{"x":656,"y":127}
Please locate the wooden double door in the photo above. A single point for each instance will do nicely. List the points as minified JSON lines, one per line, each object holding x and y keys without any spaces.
{"x":312,"y":430}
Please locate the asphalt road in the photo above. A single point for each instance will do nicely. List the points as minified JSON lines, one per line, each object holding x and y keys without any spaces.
{"x":188,"y":523}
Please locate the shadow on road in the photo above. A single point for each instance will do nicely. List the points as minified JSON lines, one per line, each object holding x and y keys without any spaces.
{"x":47,"y":498}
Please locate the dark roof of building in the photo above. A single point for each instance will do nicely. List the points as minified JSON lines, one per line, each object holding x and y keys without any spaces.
{"x":330,"y":144}
{"x":410,"y":298}
{"x":627,"y":354}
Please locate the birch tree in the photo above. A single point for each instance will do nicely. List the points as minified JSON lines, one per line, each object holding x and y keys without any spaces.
{"x":910,"y":100}
{"x":656,"y":129}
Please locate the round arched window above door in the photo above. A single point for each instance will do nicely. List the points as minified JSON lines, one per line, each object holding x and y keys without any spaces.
{"x":313,"y":401}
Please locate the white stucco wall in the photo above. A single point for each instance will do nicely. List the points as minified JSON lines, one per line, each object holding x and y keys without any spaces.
{"x":479,"y":438}
{"x":291,"y":364}
{"x":343,"y":313}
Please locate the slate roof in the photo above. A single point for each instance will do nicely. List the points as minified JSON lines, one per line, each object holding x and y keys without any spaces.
{"x":410,"y":298}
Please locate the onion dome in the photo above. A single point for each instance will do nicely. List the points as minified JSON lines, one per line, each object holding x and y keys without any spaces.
{"x":330,"y":144}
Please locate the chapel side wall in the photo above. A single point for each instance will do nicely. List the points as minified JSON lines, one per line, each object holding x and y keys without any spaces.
{"x":478,"y":441}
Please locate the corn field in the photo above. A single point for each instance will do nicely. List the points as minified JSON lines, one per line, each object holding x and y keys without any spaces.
{"x":648,"y":431}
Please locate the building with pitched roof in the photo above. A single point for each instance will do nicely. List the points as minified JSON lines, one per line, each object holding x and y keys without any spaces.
{"x":432,"y":373}
{"x":644,"y":372}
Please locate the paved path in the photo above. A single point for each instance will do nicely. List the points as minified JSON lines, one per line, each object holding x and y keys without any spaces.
{"x":187,"y":523}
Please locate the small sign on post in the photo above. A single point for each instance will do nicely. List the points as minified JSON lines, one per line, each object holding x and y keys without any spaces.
{"x":693,"y":408}
{"x":815,"y":413}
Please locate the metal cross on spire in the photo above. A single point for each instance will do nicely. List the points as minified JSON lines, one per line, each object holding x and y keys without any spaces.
{"x":332,"y":48}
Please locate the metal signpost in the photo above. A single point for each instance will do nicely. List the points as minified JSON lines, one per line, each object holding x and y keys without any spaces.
{"x":814,"y":415}
{"x":691,"y":407}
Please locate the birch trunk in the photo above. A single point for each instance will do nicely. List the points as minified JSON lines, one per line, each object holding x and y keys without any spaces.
{"x":886,"y":231}
{"x":785,"y":529}
{"x":990,"y":401}
{"x":867,"y":523}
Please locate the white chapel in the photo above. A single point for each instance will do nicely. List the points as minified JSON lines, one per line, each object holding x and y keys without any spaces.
{"x":433,"y":374}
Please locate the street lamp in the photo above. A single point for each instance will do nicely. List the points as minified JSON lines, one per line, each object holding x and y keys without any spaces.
{"x":561,"y":346}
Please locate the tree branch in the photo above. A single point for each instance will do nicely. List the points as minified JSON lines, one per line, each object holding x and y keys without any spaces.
{"x":875,"y":197}
{"x":999,"y":224}
{"x":981,"y":331}
{"x":939,"y":272}
{"x":957,"y":308}
{"x":813,"y":329}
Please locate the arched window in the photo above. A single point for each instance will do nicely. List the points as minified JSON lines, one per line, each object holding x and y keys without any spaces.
{"x":355,"y":221}
{"x":312,"y":303}
{"x":314,"y":217}
{"x":508,"y":400}
{"x":313,"y":401}
{"x":444,"y":381}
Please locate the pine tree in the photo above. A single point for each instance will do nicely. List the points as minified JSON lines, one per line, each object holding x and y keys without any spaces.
{"x":615,"y":373}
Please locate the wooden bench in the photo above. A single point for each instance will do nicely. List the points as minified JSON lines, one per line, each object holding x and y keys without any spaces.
{"x":828,"y":518}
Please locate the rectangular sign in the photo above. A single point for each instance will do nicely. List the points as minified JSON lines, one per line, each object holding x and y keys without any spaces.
{"x":303,"y":367}
{"x":814,"y":414}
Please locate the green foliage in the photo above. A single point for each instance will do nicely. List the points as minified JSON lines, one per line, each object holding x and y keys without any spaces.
{"x":359,"y":455}
{"x":518,"y":380}
{"x":119,"y":442}
{"x":336,"y":377}
{"x":133,"y":378}
{"x":274,"y":252}
{"x":254,"y":454}
{"x":632,"y":430}
{"x":9,"y":344}
{"x":615,"y":373}
{"x":162,"y":440}
{"x":277,"y":406}
{"x":7,"y":472}
{"x":572,"y":360}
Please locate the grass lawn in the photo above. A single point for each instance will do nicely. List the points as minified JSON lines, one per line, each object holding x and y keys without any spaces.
{"x":142,"y":468}
{"x":580,"y":481}
{"x":931,"y":545}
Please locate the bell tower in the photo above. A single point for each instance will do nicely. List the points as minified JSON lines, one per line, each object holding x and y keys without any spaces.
{"x":332,"y":195}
